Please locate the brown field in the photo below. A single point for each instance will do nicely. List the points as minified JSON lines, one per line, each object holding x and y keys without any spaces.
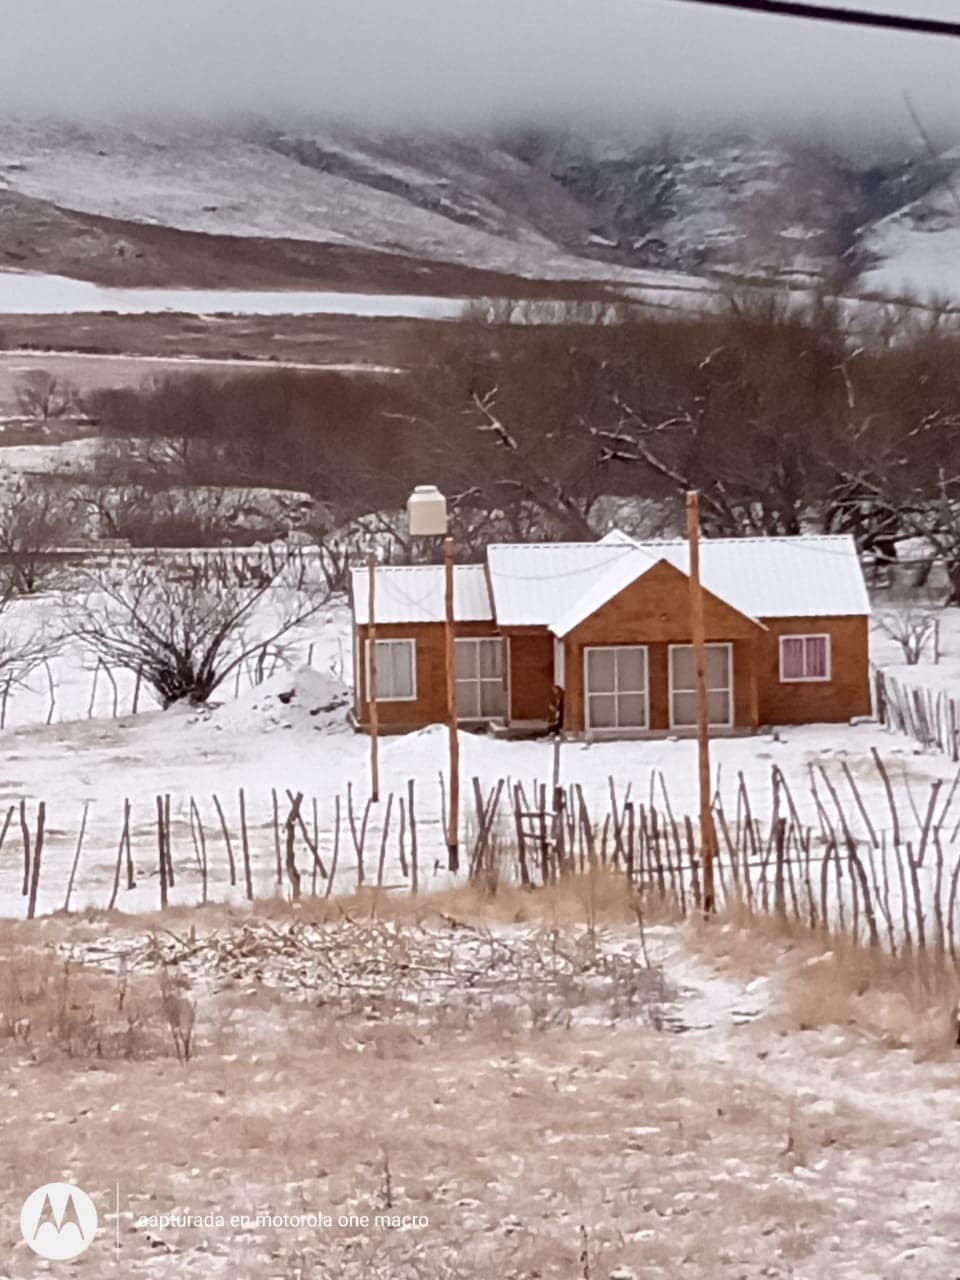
{"x":116,"y":351}
{"x":308,"y":339}
{"x":500,"y":1074}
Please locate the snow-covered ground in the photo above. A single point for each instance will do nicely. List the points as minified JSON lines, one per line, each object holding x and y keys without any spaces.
{"x":26,"y":293}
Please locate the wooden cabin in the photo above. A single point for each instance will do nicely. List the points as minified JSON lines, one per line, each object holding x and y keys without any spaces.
{"x":594,"y":638}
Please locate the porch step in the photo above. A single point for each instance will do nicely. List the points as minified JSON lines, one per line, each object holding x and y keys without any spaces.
{"x":519,"y":728}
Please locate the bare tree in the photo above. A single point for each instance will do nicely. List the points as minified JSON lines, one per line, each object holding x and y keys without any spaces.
{"x":912,"y":626}
{"x":41,"y":394}
{"x":25,"y":643}
{"x":34,"y":521}
{"x":182,"y":629}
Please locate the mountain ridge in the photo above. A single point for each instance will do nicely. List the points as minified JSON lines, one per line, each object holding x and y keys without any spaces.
{"x":415,"y":210}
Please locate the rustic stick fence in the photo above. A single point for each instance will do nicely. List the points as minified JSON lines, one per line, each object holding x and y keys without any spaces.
{"x":861,"y":852}
{"x":931,"y":718}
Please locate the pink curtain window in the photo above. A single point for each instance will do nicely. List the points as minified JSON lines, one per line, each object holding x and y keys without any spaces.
{"x":791,"y":658}
{"x":805,"y":658}
{"x":815,"y":657}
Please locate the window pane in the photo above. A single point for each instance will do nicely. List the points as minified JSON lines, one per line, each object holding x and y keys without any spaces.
{"x":384,"y":668}
{"x":468,"y":700}
{"x":491,"y":658}
{"x":816,"y":657}
{"x":718,"y":708}
{"x":402,"y":669}
{"x":465,"y":653}
{"x":602,"y":708}
{"x":791,"y":658}
{"x":601,"y":670}
{"x":632,"y":711}
{"x":630,"y":670}
{"x":717,"y":664}
{"x":492,"y":698}
{"x":684,"y":709}
{"x":684,"y":669}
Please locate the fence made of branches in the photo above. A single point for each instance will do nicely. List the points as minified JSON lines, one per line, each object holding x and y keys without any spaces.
{"x":850,"y":849}
{"x":930,"y":717}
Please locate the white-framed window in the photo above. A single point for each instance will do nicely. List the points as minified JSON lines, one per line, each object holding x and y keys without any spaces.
{"x":480,"y":692}
{"x":718,"y":664}
{"x":615,"y":682}
{"x":396,"y":670}
{"x":804,"y":658}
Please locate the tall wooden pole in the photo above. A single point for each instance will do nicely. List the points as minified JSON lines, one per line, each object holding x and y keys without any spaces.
{"x":372,"y":681}
{"x":708,"y":836}
{"x":453,"y":830}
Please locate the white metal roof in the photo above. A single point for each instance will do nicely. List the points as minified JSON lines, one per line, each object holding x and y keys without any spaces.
{"x":808,"y":576}
{"x":533,"y":582}
{"x":609,"y":582}
{"x":560,"y":584}
{"x":416,"y":593}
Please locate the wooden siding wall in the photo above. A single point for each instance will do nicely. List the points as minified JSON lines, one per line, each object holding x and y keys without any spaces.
{"x":844,"y":695}
{"x":430,"y":705}
{"x":531,"y":673}
{"x":655,"y":611}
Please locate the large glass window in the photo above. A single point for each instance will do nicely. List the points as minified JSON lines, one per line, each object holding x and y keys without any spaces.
{"x":718,"y":662}
{"x":480,"y":693}
{"x":396,"y":670}
{"x":616,"y":687}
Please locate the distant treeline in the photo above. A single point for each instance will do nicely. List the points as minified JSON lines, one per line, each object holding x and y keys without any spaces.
{"x":785,"y":416}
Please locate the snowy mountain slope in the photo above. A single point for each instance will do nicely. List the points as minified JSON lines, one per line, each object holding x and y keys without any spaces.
{"x":532,"y":204}
{"x":916,"y":250}
{"x":225,"y":185}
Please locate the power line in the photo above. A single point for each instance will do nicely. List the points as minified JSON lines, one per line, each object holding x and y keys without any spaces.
{"x":833,"y":13}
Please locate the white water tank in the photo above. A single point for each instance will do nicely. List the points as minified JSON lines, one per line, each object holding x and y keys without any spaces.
{"x":427,"y":512}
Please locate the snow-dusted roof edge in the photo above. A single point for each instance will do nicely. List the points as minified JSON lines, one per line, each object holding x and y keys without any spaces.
{"x":415,"y":593}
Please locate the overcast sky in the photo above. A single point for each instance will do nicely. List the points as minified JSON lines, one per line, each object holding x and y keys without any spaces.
{"x":458,"y":63}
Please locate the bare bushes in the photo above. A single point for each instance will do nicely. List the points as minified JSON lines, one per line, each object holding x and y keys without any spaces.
{"x":913,"y":626}
{"x":34,"y":521}
{"x":181,"y":630}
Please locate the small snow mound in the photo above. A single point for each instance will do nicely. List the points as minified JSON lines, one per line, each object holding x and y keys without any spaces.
{"x":303,"y":699}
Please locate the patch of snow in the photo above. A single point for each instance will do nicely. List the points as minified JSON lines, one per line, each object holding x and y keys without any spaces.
{"x":302,"y":700}
{"x":26,"y":293}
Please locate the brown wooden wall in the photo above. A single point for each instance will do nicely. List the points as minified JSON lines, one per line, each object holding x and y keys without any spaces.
{"x":655,"y":611}
{"x":844,"y":695}
{"x":430,"y":706}
{"x":531,"y":673}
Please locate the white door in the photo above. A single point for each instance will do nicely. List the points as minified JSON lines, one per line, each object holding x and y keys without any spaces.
{"x":683,"y":685}
{"x":615,"y":687}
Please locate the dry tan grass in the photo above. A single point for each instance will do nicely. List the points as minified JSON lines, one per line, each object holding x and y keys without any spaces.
{"x":909,"y":1001}
{"x":523,"y":1141}
{"x":53,"y":1006}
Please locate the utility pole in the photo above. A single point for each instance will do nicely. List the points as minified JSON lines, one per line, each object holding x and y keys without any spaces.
{"x":453,"y":830}
{"x":708,"y":835}
{"x":372,"y":681}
